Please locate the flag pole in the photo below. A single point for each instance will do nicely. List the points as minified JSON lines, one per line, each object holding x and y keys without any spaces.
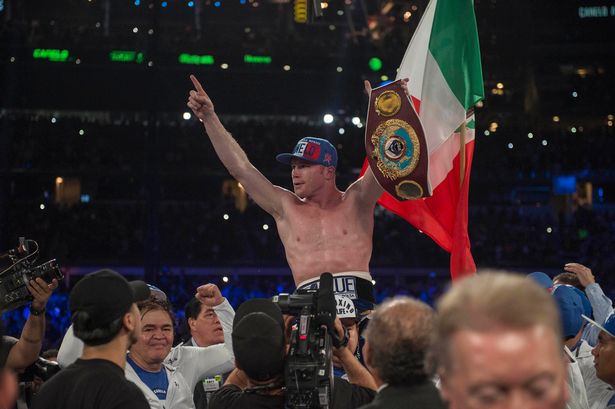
{"x":462,"y":152}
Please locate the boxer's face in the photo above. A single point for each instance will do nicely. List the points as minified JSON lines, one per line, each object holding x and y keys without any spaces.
{"x":307,"y":177}
{"x":505,"y":369}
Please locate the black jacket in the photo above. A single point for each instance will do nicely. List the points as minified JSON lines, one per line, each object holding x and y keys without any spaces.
{"x":421,"y":396}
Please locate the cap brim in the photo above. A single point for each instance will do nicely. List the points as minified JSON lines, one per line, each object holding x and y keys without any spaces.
{"x":259,"y":305}
{"x":287,"y":158}
{"x":140,"y":290}
{"x":597,"y":325}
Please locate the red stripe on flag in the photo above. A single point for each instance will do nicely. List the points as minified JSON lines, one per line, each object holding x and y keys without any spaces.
{"x":443,"y":216}
{"x":417,"y":104}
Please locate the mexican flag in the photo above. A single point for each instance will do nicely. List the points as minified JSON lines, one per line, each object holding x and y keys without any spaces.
{"x":444,"y":70}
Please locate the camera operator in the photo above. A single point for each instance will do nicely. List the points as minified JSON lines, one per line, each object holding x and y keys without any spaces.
{"x":350,"y":320}
{"x":260,"y":348}
{"x":21,"y":353}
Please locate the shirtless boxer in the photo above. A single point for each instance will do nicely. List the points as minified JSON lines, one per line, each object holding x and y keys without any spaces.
{"x":322,"y":228}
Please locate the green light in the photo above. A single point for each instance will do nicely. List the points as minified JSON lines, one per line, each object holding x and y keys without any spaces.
{"x":256,"y":59}
{"x":126,"y":56}
{"x":196,"y":59}
{"x":51,"y":54}
{"x":375,"y":63}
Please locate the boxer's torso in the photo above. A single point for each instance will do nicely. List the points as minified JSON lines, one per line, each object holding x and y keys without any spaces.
{"x":333,"y":239}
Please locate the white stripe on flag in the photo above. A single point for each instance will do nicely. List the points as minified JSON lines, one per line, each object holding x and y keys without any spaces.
{"x":441,"y":112}
{"x":441,"y":160}
{"x":413,"y":64}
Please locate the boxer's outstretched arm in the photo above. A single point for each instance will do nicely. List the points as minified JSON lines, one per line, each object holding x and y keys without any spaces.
{"x":367,"y":188}
{"x":265,"y":194}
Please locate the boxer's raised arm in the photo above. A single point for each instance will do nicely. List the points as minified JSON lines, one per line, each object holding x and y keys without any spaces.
{"x":368,"y":188}
{"x":233,"y":157}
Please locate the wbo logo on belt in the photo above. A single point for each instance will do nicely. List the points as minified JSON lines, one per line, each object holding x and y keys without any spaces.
{"x":395,"y":144}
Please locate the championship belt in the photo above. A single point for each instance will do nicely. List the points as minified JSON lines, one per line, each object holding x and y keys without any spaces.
{"x":395,"y":143}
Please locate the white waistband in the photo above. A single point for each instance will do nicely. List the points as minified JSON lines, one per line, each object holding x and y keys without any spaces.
{"x":365,"y":275}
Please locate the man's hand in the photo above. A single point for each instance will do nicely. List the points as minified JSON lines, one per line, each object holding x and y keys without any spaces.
{"x":368,"y":87}
{"x":41,"y":291}
{"x":210,"y":295}
{"x":404,"y":85}
{"x":342,"y":352}
{"x":199,"y":102}
{"x":584,"y":273}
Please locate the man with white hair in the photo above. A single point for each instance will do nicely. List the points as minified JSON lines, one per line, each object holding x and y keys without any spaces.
{"x":497,"y":344}
{"x":398,"y":338}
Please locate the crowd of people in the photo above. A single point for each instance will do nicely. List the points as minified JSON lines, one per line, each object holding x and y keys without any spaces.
{"x":462,"y":351}
{"x":238,"y":289}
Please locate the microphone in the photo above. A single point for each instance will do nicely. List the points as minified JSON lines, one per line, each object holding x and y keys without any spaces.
{"x":325,"y":302}
{"x":326,"y":310}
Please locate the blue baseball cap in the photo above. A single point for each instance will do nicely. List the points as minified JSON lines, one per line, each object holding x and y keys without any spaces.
{"x":315,"y":150}
{"x":608,"y":326}
{"x":570,"y":308}
{"x":587,"y":306}
{"x":541,"y":279}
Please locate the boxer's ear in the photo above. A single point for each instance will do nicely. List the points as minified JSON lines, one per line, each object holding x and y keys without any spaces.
{"x":329,"y":172}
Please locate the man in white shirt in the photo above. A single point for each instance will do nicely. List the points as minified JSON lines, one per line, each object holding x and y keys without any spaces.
{"x":604,"y":357}
{"x":167,"y":376}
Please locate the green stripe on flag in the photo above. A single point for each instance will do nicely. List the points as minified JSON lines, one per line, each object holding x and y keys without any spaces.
{"x":469,"y":125}
{"x":454,"y":46}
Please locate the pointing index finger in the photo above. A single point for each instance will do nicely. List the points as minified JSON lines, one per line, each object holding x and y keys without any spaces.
{"x":197,"y":84}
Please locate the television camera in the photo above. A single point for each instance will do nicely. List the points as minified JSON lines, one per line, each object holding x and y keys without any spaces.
{"x":22,"y":269}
